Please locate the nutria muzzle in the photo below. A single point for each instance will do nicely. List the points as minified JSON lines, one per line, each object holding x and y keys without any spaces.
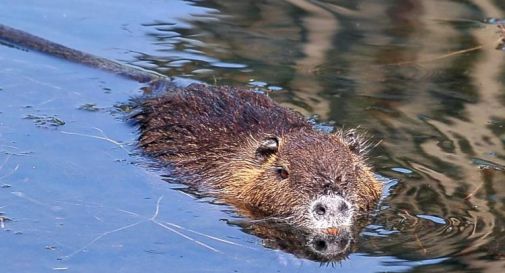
{"x":330,"y":211}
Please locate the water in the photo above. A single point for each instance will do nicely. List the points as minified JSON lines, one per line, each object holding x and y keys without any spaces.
{"x":422,"y":77}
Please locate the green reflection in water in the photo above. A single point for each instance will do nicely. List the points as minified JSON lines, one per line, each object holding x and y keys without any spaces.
{"x":393,"y":68}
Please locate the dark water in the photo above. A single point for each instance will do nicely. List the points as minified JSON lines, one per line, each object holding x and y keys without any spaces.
{"x":424,"y":77}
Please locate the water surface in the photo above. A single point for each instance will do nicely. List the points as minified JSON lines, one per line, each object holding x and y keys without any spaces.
{"x":423,"y":77}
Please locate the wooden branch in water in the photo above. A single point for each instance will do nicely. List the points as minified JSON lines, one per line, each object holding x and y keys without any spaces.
{"x":437,"y":58}
{"x":500,"y":46}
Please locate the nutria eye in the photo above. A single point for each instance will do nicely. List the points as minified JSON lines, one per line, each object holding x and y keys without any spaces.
{"x":283,"y":173}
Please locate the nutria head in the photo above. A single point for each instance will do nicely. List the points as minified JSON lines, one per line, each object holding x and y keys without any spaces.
{"x":304,"y":177}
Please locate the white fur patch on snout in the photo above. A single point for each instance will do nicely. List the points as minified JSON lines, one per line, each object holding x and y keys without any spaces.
{"x":328,"y":211}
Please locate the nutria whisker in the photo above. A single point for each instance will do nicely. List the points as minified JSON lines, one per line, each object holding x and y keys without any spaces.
{"x":272,"y":219}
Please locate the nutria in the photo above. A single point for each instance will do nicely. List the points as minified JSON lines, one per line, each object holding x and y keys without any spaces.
{"x":243,"y":147}
{"x":246,"y":149}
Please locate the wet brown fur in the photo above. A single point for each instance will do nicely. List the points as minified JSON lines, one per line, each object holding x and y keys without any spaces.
{"x":210,"y":134}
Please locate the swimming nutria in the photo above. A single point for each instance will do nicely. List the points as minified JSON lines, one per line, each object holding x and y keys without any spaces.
{"x":258,"y":155}
{"x":242,"y":146}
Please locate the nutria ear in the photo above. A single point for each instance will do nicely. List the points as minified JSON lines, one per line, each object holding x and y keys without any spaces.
{"x":268,"y":146}
{"x":353,"y":140}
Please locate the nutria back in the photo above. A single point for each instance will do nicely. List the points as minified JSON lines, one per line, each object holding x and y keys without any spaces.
{"x":264,"y":158}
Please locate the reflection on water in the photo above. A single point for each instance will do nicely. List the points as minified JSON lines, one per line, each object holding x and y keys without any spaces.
{"x":423,"y":76}
{"x":313,"y":245}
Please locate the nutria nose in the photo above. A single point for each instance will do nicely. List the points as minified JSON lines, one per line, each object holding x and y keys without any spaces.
{"x":340,"y":205}
{"x":319,"y":209}
{"x":330,"y":211}
{"x":343,"y":206}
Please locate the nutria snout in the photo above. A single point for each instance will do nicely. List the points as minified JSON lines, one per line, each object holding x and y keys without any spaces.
{"x":331,"y":211}
{"x":264,"y":158}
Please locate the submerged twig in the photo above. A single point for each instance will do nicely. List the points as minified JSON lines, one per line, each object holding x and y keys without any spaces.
{"x":100,"y":237}
{"x":185,"y":236}
{"x":103,"y":137}
{"x":155,"y":215}
{"x":165,"y":225}
{"x":11,"y":172}
{"x":204,"y":235}
{"x":501,"y":46}
{"x":153,"y":218}
{"x":474,"y":191}
{"x":441,"y":57}
{"x":3,"y":219}
{"x":28,"y":198}
{"x":5,"y":162}
{"x":420,"y":244}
